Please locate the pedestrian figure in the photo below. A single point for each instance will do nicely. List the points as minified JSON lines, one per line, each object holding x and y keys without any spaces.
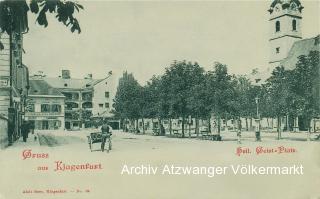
{"x":10,"y":131}
{"x":24,"y":131}
{"x":239,"y":136}
{"x":106,"y":134}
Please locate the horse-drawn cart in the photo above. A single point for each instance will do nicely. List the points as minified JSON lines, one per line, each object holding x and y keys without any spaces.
{"x":98,"y":137}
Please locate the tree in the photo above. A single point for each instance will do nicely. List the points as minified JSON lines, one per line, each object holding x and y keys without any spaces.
{"x":198,"y":102}
{"x":245,"y":98}
{"x":222,"y":93}
{"x":279,"y":89}
{"x":14,"y":14}
{"x":305,"y":84}
{"x":179,"y":79}
{"x":127,"y":102}
{"x":155,"y":99}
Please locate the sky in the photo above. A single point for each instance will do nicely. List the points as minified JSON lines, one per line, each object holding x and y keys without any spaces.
{"x":144,"y":37}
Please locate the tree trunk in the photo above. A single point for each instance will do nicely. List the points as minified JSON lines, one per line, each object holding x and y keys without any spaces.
{"x":226,"y":124}
{"x":287,"y":122}
{"x":143,"y":127}
{"x":197,"y":127}
{"x":250,"y":123}
{"x":279,"y":127}
{"x":209,"y":124}
{"x":183,"y":122}
{"x":124,"y":125}
{"x":137,"y":125}
{"x":309,"y":129}
{"x":219,"y":125}
{"x":247,"y":125}
{"x":170,"y":126}
{"x":152,"y":124}
{"x":189,"y":125}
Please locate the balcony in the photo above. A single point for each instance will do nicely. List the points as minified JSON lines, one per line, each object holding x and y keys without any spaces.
{"x":71,"y":96}
{"x":87,"y":97}
{"x":69,"y":106}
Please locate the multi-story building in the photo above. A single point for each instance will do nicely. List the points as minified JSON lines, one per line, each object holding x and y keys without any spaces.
{"x":13,"y":87}
{"x":45,"y":106}
{"x":104,"y":91}
{"x":85,"y":99}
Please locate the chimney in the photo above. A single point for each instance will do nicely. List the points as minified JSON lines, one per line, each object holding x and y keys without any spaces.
{"x":89,"y":76}
{"x":65,"y":74}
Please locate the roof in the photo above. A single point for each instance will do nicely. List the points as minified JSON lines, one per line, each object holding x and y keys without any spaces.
{"x":95,"y":82}
{"x":260,"y":77}
{"x":285,"y":2}
{"x":104,"y":114}
{"x":40,"y":87}
{"x":301,"y":47}
{"x":58,"y":82}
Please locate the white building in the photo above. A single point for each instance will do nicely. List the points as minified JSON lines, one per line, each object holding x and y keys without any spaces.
{"x":46,"y":107}
{"x":86,"y":99}
{"x":285,"y":28}
{"x":104,"y":91}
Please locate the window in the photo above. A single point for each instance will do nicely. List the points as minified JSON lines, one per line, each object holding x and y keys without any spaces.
{"x":278,"y":50}
{"x":294,"y":25}
{"x":107,"y":94}
{"x":56,"y":108}
{"x":277,"y":26}
{"x":30,"y":108}
{"x":107,"y":105}
{"x":45,"y":108}
{"x":65,"y":85}
{"x":45,"y":125}
{"x":101,"y":105}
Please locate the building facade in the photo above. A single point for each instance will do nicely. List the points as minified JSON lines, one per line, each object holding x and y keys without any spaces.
{"x":104,"y":92}
{"x":78,"y":99}
{"x":13,"y":86}
{"x":85,"y":99}
{"x":45,"y":106}
{"x":285,"y":28}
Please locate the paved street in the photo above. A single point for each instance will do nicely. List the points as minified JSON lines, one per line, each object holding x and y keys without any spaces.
{"x":71,"y":148}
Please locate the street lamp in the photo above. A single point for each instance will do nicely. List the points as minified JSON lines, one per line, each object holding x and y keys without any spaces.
{"x":257,"y":102}
{"x":258,"y":137}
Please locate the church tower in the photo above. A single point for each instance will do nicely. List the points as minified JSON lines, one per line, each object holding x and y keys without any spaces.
{"x":285,"y":28}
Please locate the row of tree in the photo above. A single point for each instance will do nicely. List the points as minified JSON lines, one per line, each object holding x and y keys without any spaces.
{"x":186,"y":89}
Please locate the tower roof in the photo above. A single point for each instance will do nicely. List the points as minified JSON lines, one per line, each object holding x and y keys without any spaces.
{"x":285,"y":4}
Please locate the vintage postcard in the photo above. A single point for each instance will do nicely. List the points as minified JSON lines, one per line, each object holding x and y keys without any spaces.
{"x":160,"y":99}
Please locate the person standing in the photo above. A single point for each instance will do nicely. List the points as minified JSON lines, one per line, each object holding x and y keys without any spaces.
{"x":24,"y":131}
{"x":10,"y":131}
{"x":106,"y":134}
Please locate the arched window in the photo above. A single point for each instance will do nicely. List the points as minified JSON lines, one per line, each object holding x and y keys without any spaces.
{"x":294,"y":24}
{"x":277,"y":26}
